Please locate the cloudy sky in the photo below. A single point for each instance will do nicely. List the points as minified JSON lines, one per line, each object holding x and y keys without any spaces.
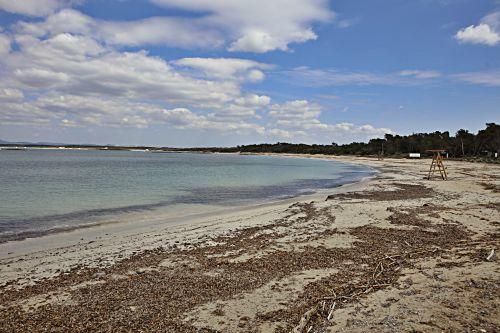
{"x":220,"y":72}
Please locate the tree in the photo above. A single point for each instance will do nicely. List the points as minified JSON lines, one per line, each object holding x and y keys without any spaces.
{"x":490,"y":137}
{"x":465,"y":140}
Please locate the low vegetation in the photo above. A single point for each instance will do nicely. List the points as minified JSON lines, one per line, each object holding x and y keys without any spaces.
{"x":463,"y":144}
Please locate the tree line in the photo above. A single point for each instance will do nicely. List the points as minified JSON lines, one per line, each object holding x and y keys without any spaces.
{"x":485,"y":142}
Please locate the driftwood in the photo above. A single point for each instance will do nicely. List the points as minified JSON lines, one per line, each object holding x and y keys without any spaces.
{"x":360,"y":289}
{"x":304,"y":320}
{"x":331,"y":311}
{"x":490,"y":256}
{"x":377,"y":285}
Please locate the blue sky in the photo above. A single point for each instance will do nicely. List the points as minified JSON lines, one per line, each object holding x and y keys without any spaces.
{"x":216,"y":72}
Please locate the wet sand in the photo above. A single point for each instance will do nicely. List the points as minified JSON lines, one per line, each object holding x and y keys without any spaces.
{"x":397,"y":253}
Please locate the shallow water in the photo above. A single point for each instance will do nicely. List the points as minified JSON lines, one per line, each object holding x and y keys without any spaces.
{"x":44,"y":190}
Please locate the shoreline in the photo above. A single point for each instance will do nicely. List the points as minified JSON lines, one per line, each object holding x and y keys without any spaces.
{"x":393,"y":253}
{"x":196,"y":210}
{"x":135,"y":227}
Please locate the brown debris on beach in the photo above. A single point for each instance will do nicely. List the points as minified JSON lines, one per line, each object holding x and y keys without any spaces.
{"x":397,"y":254}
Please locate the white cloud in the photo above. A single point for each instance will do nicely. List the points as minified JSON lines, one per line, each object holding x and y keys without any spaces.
{"x":245,"y":25}
{"x":306,"y":76}
{"x":150,"y":31}
{"x":259,"y":25}
{"x":41,"y":78}
{"x":79,"y":65}
{"x":486,"y":78}
{"x":15,"y":111}
{"x":261,"y":41}
{"x":346,"y":23}
{"x":89,"y":110}
{"x":493,"y":20}
{"x":185,"y":119}
{"x":480,"y":34}
{"x":255,"y":75}
{"x":283,"y":134}
{"x":4,"y":44}
{"x":169,"y":31}
{"x":11,"y":95}
{"x":85,"y":111}
{"x":326,"y":77}
{"x":92,"y":84}
{"x":253,"y":100}
{"x":300,"y":110}
{"x":299,"y":119}
{"x":298,"y":115}
{"x":226,"y":68}
{"x":181,"y":118}
{"x":64,"y":21}
{"x":34,"y":7}
{"x":419,"y":74}
{"x":487,"y":32}
{"x":244,"y":107}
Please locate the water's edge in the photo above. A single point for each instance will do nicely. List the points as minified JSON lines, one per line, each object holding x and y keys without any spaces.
{"x":304,"y":188}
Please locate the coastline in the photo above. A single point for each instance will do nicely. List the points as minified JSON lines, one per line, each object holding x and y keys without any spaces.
{"x":189,"y":205}
{"x":169,"y":211}
{"x":325,"y":238}
{"x":135,"y":234}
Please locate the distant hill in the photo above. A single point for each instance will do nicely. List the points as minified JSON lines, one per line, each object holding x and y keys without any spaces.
{"x":3,"y":142}
{"x":26,"y":143}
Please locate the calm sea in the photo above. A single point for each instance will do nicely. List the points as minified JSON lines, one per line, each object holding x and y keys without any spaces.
{"x":49,"y":190}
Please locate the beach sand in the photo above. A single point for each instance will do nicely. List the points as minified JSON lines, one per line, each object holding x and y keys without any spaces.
{"x":395,"y":253}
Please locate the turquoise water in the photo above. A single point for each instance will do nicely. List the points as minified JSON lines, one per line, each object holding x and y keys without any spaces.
{"x":47,"y":190}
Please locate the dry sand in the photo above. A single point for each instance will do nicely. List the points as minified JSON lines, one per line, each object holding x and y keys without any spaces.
{"x":396,"y":253}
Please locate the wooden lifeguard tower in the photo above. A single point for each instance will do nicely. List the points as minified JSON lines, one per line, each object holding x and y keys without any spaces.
{"x":437,"y":161}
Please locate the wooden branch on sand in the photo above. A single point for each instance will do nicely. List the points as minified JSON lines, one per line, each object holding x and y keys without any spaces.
{"x":304,"y":320}
{"x":490,"y":256}
{"x":331,"y":311}
{"x":365,"y":289}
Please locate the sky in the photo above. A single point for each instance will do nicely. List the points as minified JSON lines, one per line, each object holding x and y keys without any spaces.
{"x":184,"y":73}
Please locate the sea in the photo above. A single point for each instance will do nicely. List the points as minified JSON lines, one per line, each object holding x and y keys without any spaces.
{"x":51,"y":190}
